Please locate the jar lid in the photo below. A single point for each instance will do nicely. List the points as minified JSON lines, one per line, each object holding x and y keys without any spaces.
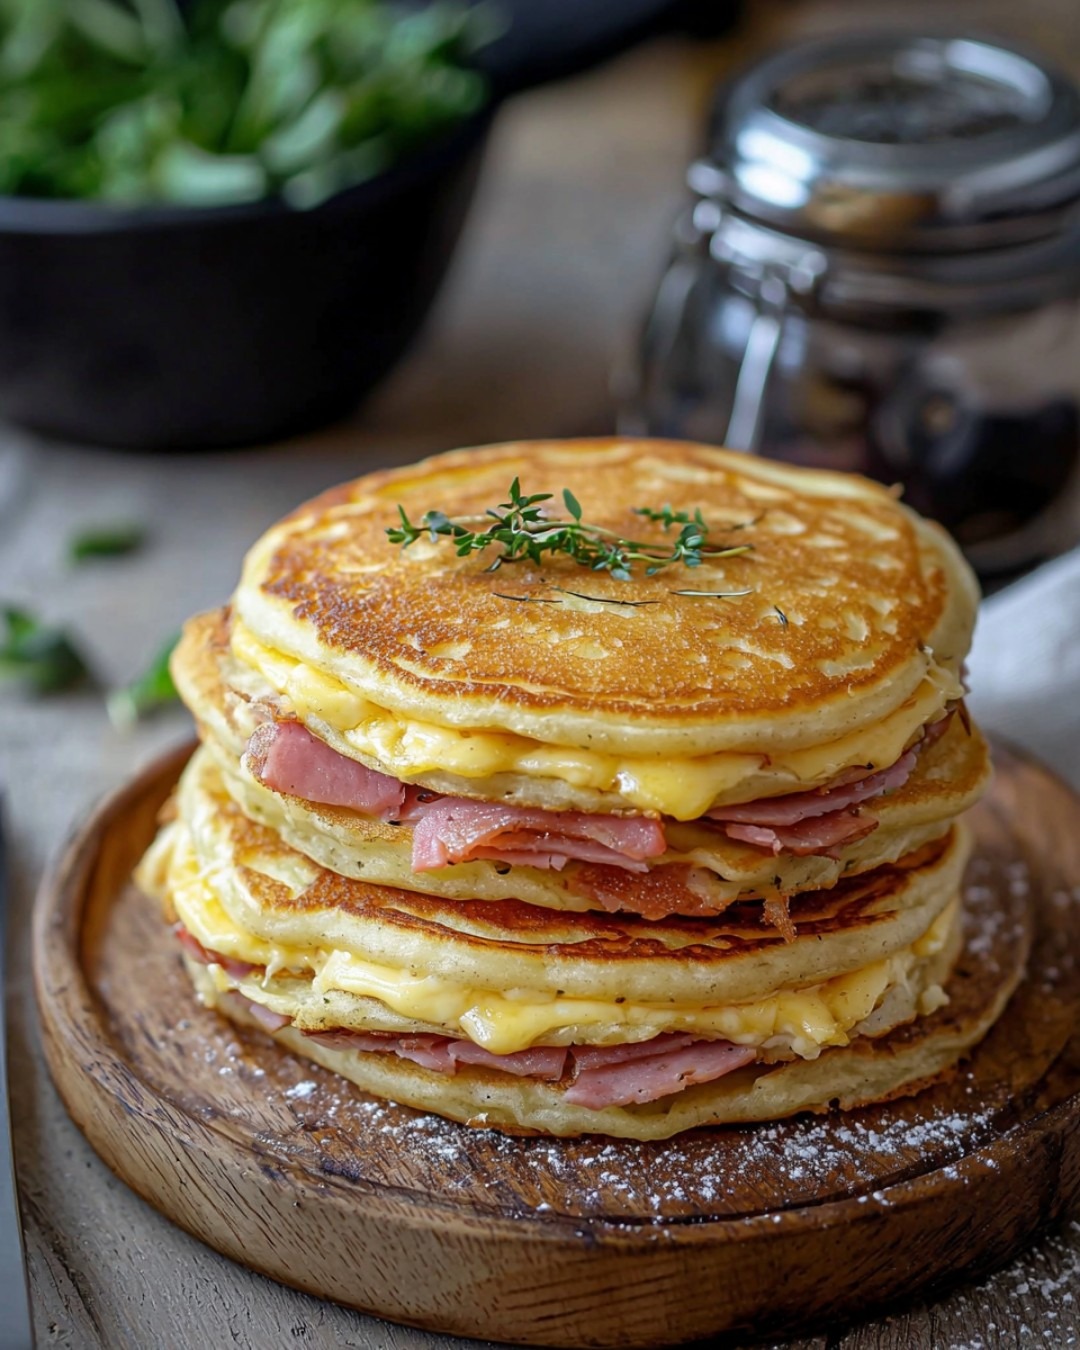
{"x":899,"y":142}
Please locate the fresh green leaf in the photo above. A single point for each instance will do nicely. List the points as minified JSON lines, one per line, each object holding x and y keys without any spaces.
{"x":185,"y":173}
{"x":42,"y":659}
{"x":152,"y":690}
{"x":20,"y":625}
{"x":106,"y":541}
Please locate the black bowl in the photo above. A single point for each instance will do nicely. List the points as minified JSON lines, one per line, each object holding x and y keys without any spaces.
{"x":163,"y":327}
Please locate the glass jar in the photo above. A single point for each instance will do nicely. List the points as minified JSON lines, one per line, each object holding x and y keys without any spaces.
{"x":880,"y":272}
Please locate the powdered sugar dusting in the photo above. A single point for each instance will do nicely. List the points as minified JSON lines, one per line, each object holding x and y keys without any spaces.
{"x":1033,"y":1302}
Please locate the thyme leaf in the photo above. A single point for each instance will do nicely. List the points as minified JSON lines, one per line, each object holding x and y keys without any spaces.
{"x":43,"y":659}
{"x":106,"y":541}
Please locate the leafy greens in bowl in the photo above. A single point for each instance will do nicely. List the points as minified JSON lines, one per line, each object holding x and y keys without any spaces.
{"x":221,"y":102}
{"x":223,"y":221}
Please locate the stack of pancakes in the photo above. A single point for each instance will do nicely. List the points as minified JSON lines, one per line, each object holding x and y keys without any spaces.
{"x":545,"y":848}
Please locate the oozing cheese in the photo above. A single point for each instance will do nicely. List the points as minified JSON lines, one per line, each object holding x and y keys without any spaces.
{"x":682,"y":787}
{"x":505,"y":1021}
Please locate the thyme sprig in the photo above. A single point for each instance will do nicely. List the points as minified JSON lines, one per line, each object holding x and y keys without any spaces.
{"x":524,"y":531}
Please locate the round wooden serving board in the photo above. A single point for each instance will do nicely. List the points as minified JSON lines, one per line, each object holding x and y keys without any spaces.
{"x":584,"y":1242}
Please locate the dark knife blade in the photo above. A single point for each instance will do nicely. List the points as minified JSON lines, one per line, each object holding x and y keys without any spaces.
{"x":15,"y":1325}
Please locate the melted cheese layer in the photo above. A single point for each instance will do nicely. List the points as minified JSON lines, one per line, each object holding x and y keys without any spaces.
{"x":679,"y":786}
{"x":505,"y":1021}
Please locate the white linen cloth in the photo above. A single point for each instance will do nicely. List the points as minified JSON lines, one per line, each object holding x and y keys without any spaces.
{"x":1024,"y":667}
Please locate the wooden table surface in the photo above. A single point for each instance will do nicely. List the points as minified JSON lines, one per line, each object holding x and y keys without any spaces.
{"x":566,"y":239}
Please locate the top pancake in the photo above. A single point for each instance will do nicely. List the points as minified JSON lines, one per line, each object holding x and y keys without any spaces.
{"x":878,"y":603}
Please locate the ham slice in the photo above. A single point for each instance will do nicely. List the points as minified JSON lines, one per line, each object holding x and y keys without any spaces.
{"x":286,"y":757}
{"x":606,"y":1075}
{"x":453,"y":830}
{"x":266,"y":1017}
{"x":238,"y":970}
{"x":819,"y":834}
{"x":429,"y":1051}
{"x":813,"y":822}
{"x":647,"y":1078}
{"x":545,"y":1062}
{"x":588,"y":1057}
{"x":799,"y":806}
{"x":234,"y":1003}
{"x":444,"y":1054}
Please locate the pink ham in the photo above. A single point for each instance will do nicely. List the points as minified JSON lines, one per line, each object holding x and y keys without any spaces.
{"x":819,"y":834}
{"x":545,"y":1062}
{"x":933,"y":731}
{"x":429,"y":1051}
{"x":191,"y":944}
{"x":351,"y":1040}
{"x":606,"y":1075}
{"x":266,"y":1017}
{"x":605,"y":1056}
{"x":647,"y":1078}
{"x":817,"y":822}
{"x":443,"y":1054}
{"x":453,"y":830}
{"x":800,"y":806}
{"x":286,"y":757}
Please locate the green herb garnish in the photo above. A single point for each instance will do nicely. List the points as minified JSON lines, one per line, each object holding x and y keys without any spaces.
{"x":153,"y":689}
{"x":217,"y":102}
{"x":106,"y":541}
{"x":525,"y":533}
{"x":667,"y":517}
{"x":43,"y":659}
